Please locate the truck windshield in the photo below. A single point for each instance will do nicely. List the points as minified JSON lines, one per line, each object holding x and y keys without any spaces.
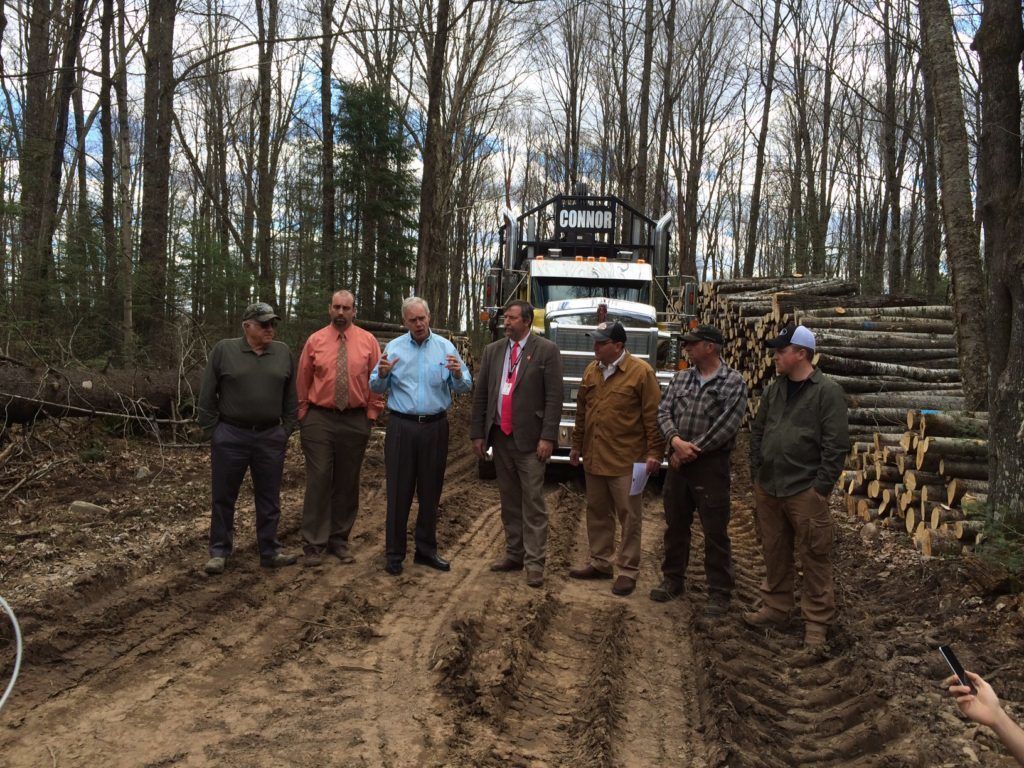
{"x":560,"y":289}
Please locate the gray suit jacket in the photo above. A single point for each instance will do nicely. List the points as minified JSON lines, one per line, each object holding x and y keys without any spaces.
{"x":536,"y":399}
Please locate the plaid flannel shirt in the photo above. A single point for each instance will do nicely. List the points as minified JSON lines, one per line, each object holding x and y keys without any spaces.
{"x":708,"y":416}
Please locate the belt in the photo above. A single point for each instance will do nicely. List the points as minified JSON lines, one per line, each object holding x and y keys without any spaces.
{"x":335,"y":410}
{"x":250,"y":427}
{"x":421,"y":419}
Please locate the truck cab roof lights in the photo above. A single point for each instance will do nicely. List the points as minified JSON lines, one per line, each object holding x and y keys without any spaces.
{"x":579,"y":258}
{"x":591,"y":258}
{"x":602,"y":258}
{"x":641,"y":261}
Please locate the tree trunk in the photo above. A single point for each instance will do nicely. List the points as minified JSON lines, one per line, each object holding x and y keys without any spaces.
{"x":962,"y":250}
{"x":112,"y":297}
{"x":156,"y":168}
{"x":762,"y":142}
{"x":27,"y":392}
{"x":328,"y":256}
{"x":37,"y":148}
{"x":669,"y":94}
{"x":267,"y":28}
{"x":884,"y":324}
{"x":431,"y":257}
{"x":999,"y":42}
{"x":931,"y":244}
{"x":866,"y":367}
{"x":125,"y":313}
{"x":643,"y":139}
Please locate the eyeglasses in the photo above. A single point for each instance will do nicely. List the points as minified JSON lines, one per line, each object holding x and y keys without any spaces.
{"x":264,"y":324}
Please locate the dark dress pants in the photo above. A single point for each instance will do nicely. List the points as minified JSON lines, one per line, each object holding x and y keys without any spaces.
{"x":233,"y":451}
{"x":333,"y":443}
{"x":415,"y":458}
{"x":701,"y":485}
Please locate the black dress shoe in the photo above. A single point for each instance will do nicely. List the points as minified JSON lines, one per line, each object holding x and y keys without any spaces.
{"x":393,"y":567}
{"x":432,"y":561}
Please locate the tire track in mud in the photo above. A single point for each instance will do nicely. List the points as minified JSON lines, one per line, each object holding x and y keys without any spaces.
{"x":768,"y":701}
{"x":575,"y":676}
{"x":169,"y":651}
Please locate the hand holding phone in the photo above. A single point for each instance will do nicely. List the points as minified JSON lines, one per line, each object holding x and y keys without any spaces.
{"x":957,"y":667}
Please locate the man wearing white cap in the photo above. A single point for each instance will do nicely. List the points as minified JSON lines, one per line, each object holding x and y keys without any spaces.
{"x":798,"y":444}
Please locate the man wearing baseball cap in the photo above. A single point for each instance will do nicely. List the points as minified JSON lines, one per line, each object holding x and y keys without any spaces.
{"x":699,"y":416}
{"x":798,"y":444}
{"x":616,"y":426}
{"x":248,"y":405}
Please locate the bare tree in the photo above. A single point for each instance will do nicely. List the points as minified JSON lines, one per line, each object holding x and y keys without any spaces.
{"x":1000,"y":43}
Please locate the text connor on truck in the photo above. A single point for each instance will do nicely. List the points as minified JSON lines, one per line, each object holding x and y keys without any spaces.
{"x":582,"y":259}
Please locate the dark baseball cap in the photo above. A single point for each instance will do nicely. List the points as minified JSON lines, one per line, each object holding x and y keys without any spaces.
{"x":260,"y":312}
{"x":705,"y":333}
{"x":792,"y":334}
{"x":609,"y":331}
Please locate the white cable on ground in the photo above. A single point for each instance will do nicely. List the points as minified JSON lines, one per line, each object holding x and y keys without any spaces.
{"x":17,"y":658}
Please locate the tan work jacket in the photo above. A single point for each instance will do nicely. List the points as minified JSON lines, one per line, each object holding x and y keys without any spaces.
{"x":617,"y":418}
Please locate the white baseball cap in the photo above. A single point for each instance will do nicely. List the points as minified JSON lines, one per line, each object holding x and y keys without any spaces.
{"x":792,"y":334}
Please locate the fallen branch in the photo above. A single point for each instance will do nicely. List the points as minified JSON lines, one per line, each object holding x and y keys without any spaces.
{"x":34,"y":476}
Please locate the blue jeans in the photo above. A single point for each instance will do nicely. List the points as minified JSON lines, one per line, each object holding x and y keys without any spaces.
{"x":233,"y":451}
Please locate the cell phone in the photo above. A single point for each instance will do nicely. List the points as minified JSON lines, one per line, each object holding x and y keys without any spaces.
{"x":957,"y":667}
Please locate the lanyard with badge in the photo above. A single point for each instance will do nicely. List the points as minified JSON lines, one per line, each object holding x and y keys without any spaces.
{"x":513,"y":366}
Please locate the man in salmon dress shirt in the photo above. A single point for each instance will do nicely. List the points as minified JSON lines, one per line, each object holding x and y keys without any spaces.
{"x":336,"y":411}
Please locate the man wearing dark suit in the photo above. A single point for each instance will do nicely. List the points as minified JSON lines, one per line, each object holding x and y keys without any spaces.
{"x":517,"y":405}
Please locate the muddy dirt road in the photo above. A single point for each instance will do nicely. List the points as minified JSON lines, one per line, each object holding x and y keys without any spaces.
{"x":135,"y":658}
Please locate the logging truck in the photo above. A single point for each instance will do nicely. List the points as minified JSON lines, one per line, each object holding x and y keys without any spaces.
{"x":580,"y":260}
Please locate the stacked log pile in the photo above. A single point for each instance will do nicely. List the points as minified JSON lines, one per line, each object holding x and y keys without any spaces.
{"x":918,"y":460}
{"x":931,"y":480}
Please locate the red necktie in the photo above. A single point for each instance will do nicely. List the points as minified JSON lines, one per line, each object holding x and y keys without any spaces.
{"x":506,"y":399}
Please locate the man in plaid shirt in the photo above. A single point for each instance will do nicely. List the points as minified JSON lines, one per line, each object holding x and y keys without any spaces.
{"x":699,"y":416}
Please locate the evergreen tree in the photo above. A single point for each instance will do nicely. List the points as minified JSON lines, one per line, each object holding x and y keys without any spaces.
{"x":379,"y":194}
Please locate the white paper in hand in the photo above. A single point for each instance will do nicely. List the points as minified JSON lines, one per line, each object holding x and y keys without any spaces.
{"x":639,"y":479}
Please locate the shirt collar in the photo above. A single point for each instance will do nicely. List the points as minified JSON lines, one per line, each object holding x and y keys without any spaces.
{"x":722,"y":368}
{"x":615,"y":365}
{"x":244,"y":346}
{"x":421,"y":343}
{"x":521,"y":343}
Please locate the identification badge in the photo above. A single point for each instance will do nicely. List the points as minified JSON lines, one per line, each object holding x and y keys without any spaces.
{"x":506,"y":387}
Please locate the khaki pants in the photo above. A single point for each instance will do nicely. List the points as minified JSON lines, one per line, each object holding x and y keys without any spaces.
{"x":608,"y":500}
{"x":804,"y":523}
{"x":523,"y":512}
{"x":333,"y":443}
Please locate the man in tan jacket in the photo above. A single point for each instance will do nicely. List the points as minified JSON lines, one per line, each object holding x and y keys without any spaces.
{"x":616,"y":426}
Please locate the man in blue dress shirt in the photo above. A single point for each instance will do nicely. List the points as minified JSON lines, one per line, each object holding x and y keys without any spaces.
{"x":419,"y":370}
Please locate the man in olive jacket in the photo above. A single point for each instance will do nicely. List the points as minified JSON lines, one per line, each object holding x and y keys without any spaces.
{"x":798,"y":444}
{"x":517,"y":404}
{"x":616,"y":427}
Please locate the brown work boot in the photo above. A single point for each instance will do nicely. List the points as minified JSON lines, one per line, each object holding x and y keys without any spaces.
{"x":669,"y":589}
{"x":623,"y":586}
{"x":588,"y":572}
{"x":766,"y":617}
{"x":342,"y":553}
{"x":534,"y":578}
{"x":312,"y":556}
{"x":505,"y":565}
{"x":717,"y":607}
{"x":815,"y":635}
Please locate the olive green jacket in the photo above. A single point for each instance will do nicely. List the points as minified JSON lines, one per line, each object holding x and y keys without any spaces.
{"x":801,"y":444}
